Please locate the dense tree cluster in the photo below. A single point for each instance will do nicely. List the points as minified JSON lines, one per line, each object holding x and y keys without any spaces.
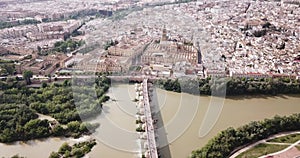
{"x":67,"y":104}
{"x":7,"y":69}
{"x":78,"y":150}
{"x":15,"y":118}
{"x":229,"y":140}
{"x":170,"y":85}
{"x":74,"y":129}
{"x":233,"y":86}
{"x":67,"y":46}
{"x":10,"y":83}
{"x":263,"y":86}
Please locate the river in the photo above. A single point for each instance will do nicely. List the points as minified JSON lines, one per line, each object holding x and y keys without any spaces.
{"x":117,"y":137}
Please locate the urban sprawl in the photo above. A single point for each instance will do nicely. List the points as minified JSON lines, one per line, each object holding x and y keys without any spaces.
{"x":167,"y":39}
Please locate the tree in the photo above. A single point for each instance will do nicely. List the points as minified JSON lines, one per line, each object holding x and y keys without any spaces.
{"x":77,"y":152}
{"x":58,"y":130}
{"x":8,"y":69}
{"x":73,"y":126}
{"x":44,"y":85}
{"x":36,"y":129}
{"x":17,"y":156}
{"x":54,"y":155}
{"x":27,"y":74}
{"x":64,"y":147}
{"x":39,"y":49}
{"x":7,"y":135}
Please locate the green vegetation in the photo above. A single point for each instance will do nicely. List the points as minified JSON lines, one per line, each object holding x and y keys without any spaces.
{"x":76,"y":33}
{"x":4,"y":24}
{"x":229,"y":140}
{"x":82,"y":14}
{"x":11,"y":82}
{"x":138,"y":121}
{"x":286,"y":139}
{"x":7,"y":69}
{"x":67,"y":104}
{"x":6,"y":61}
{"x":234,"y":86}
{"x":15,"y":119}
{"x":27,"y":57}
{"x":110,"y":43}
{"x":6,"y":52}
{"x":27,"y":75}
{"x":91,"y":12}
{"x":78,"y":150}
{"x":121,"y":13}
{"x":74,"y":129}
{"x":170,"y":85}
{"x":18,"y":122}
{"x":17,"y":156}
{"x":67,"y":46}
{"x":140,"y":129}
{"x":261,"y":149}
{"x":170,"y":3}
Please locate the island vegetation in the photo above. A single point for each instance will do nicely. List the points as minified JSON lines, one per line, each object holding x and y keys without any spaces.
{"x":17,"y":156}
{"x":77,"y":150}
{"x":231,"y":139}
{"x":68,"y":105}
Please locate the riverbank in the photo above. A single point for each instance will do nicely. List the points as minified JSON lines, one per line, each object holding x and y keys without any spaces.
{"x":244,"y":149}
{"x":37,"y":148}
{"x":232,"y":139}
{"x":235,"y":113}
{"x":232,"y":86}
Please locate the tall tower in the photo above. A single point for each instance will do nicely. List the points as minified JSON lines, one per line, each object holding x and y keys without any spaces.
{"x":164,"y":34}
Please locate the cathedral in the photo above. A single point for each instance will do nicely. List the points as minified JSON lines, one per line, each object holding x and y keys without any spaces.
{"x":171,"y":51}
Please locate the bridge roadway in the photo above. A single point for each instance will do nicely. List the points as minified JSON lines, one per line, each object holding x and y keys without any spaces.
{"x":149,"y":123}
